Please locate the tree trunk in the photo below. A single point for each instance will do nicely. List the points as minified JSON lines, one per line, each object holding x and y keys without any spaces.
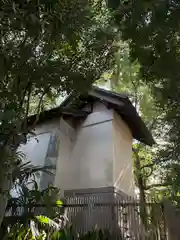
{"x":172,"y":216}
{"x":6,"y":185}
{"x":8,"y":159}
{"x":143,"y":213}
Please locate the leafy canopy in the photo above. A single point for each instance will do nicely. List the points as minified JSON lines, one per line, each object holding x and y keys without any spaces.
{"x":47,"y":47}
{"x":152,"y":30}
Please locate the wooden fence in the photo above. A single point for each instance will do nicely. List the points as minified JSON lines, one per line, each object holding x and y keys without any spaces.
{"x":121,"y":216}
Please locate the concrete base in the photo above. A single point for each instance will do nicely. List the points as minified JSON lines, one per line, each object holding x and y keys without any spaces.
{"x":106,"y":193}
{"x":89,"y":191}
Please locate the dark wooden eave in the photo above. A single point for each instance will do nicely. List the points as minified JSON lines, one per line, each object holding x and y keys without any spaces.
{"x":123,"y":106}
{"x":56,"y":113}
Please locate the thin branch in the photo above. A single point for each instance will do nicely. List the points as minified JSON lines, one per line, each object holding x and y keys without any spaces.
{"x":38,"y":111}
{"x":28,"y":100}
{"x":135,"y":90}
{"x":24,"y":41}
{"x":27,"y":107}
{"x":153,"y":123}
{"x":147,"y":165}
{"x":148,"y":174}
{"x":24,"y":94}
{"x":157,"y":185}
{"x":139,"y":177}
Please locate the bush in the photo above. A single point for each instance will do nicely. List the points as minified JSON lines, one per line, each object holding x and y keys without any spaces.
{"x":67,"y":234}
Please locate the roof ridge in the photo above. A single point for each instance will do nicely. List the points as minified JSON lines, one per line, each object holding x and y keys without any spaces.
{"x":122,"y":95}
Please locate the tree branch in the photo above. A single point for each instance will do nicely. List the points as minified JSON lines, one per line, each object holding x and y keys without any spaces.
{"x":38,"y":110}
{"x":147,"y":165}
{"x":157,"y":185}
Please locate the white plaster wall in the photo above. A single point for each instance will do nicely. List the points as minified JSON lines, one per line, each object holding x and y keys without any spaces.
{"x":86,"y":161}
{"x":67,"y":136}
{"x":35,"y":149}
{"x":97,"y":154}
{"x":122,"y":154}
{"x":48,"y":126}
{"x":92,"y":157}
{"x":35,"y":152}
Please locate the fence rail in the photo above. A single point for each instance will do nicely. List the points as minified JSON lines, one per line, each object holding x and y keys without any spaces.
{"x":123,"y":217}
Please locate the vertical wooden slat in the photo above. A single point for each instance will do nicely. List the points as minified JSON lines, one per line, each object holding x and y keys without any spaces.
{"x":77,"y":212}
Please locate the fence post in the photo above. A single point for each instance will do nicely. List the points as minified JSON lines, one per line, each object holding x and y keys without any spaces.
{"x":172,"y":218}
{"x":164,"y":222}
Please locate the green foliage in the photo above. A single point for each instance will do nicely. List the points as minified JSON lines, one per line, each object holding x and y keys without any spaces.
{"x":30,"y":195}
{"x":48,"y":49}
{"x":30,"y":223}
{"x":124,"y":77}
{"x":66,"y":234}
{"x":24,"y":171}
{"x":152,"y":31}
{"x":147,"y":167}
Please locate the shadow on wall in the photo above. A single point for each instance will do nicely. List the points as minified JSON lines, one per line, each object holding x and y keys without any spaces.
{"x":50,"y":159}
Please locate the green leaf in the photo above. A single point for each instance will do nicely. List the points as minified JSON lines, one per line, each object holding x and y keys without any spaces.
{"x":47,"y":221}
{"x":59,"y":203}
{"x":42,"y":219}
